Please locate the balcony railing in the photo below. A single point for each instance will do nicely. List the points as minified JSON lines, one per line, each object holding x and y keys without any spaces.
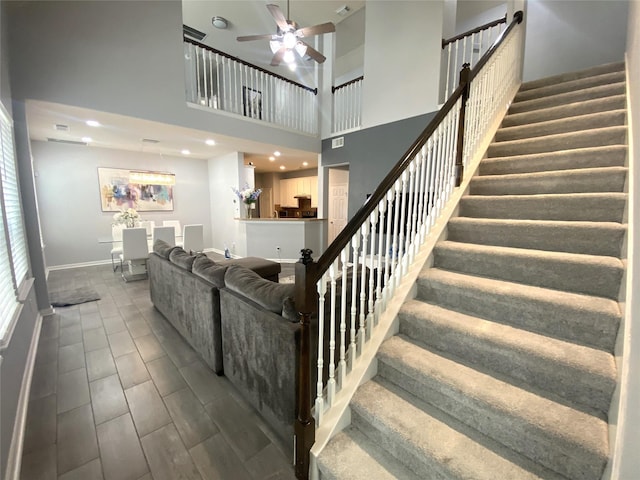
{"x":352,"y":288}
{"x":347,"y":105}
{"x":220,"y":81}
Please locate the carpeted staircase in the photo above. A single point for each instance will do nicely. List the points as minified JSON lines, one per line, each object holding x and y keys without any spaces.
{"x":503,"y":367}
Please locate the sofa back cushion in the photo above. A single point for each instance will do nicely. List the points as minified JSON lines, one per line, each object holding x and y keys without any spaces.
{"x":181,"y":258}
{"x":269,"y":295}
{"x":209,"y":270}
{"x":163,"y":249}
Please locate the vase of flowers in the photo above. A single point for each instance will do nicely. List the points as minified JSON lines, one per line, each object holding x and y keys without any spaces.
{"x":129,"y":218}
{"x":248,"y":196}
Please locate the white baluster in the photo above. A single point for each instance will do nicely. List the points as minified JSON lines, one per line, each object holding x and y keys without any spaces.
{"x":342,"y":366}
{"x":319,"y":410}
{"x":370,"y":313}
{"x":410,"y":216}
{"x":379,"y":306}
{"x":363,"y":282}
{"x":355,"y":245}
{"x":388,"y":254}
{"x":331,"y":384}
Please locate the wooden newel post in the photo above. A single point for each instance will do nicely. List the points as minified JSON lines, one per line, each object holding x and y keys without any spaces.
{"x":464,"y":80}
{"x":306,"y":300}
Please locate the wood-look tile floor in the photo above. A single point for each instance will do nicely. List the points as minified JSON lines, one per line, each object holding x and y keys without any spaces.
{"x":117,"y":394}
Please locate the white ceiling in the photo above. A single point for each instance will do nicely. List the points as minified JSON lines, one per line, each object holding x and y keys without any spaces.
{"x":126,"y":133}
{"x":120,"y":132}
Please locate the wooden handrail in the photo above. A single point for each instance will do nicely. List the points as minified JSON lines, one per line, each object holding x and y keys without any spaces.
{"x":346,"y":84}
{"x":250,"y":65}
{"x":446,"y":42}
{"x":308,"y":272}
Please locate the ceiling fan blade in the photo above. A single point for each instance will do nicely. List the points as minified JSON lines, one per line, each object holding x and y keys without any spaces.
{"x":279,"y":17}
{"x":313,"y":53}
{"x":277,"y":58}
{"x":316,"y":30}
{"x":249,"y":38}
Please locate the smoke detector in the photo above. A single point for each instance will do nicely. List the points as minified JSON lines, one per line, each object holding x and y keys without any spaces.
{"x":343,"y":11}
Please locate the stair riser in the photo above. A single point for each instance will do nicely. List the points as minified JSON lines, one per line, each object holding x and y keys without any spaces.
{"x":617,"y":102}
{"x":614,"y":156}
{"x":566,"y":322}
{"x":560,"y":182}
{"x":588,"y":240}
{"x":577,"y":386}
{"x":592,"y":279}
{"x":553,"y":127}
{"x":568,"y":97}
{"x":521,"y":436}
{"x":570,"y":76}
{"x":570,"y":86}
{"x":553,"y":143}
{"x":423,"y":466}
{"x":569,"y":208}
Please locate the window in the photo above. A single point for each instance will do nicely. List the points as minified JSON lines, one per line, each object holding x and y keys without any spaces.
{"x":14,"y":260}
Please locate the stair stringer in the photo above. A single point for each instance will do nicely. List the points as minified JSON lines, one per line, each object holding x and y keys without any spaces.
{"x":338,"y":417}
{"x":625,"y":355}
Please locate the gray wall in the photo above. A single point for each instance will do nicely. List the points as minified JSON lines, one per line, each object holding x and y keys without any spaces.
{"x":371,"y":153}
{"x":69,"y":201}
{"x":567,"y":35}
{"x":119,"y":57}
{"x":14,"y":350}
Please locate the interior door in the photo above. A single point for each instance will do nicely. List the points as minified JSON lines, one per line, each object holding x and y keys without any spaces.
{"x":338,"y":205}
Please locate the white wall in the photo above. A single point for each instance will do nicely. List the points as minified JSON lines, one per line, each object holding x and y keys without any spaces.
{"x":119,"y":57}
{"x":225,"y":173}
{"x":401,"y":60}
{"x":471,"y":14}
{"x":69,"y":198}
{"x":627,"y":462}
{"x":567,"y":35}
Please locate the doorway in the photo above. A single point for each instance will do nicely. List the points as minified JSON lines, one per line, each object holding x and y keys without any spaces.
{"x":338,"y":201}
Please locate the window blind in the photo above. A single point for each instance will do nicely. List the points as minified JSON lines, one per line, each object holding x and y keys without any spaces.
{"x":14,"y":262}
{"x":12,"y":203}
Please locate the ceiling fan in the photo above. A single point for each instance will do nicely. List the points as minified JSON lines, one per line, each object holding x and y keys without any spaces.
{"x":289,"y":38}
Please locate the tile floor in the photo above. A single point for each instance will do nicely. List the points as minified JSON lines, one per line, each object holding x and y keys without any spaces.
{"x":117,"y":394}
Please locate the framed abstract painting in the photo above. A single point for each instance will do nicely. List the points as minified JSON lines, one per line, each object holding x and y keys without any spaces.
{"x":143,"y":191}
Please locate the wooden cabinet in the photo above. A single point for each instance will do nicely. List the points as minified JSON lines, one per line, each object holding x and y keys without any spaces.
{"x":291,"y":187}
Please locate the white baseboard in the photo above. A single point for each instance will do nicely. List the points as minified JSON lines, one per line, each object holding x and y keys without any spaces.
{"x":14,"y":461}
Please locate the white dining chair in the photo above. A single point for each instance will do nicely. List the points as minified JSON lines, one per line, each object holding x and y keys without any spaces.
{"x":148,"y":225}
{"x":176,"y":225}
{"x":135,"y":252}
{"x":193,"y":238}
{"x":116,"y":246}
{"x":166,"y":234}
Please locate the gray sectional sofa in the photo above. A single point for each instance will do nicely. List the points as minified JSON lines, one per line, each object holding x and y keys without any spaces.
{"x":241,"y":323}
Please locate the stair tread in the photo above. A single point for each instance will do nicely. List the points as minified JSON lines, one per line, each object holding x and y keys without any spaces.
{"x":352,"y":456}
{"x":546,"y":138}
{"x":571,"y":427}
{"x":563,"y":125}
{"x":603,"y":104}
{"x":522,"y":253}
{"x":571,"y":85}
{"x":535,"y":176}
{"x":566,"y":355}
{"x":550,"y":161}
{"x":574,"y":75}
{"x":579,"y":224}
{"x":580,"y":302}
{"x":432,"y":435}
{"x":599,"y":91}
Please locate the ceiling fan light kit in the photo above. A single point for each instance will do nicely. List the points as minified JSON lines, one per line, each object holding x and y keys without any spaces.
{"x":289,"y":38}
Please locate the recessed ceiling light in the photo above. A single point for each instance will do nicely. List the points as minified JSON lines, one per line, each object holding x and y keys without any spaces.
{"x":277,"y":153}
{"x":304,"y":164}
{"x":185,"y":151}
{"x":282,"y":167}
{"x":93,"y":123}
{"x":210,"y":142}
{"x":272,"y":158}
{"x":87,"y":139}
